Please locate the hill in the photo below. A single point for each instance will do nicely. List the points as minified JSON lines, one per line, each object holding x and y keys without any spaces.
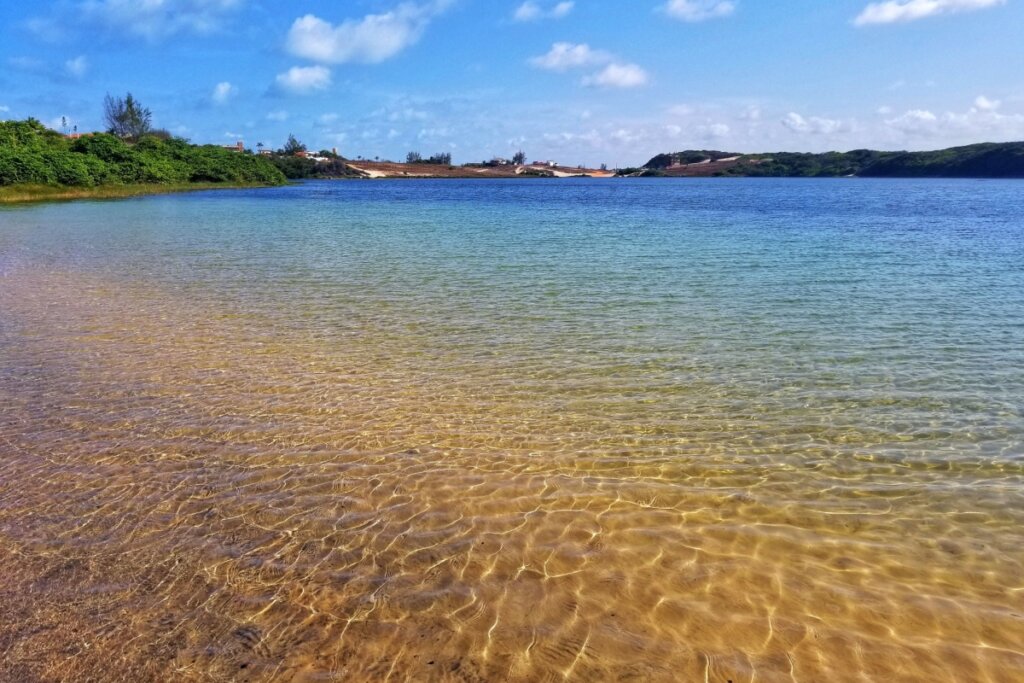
{"x":986,"y":160}
{"x":33,"y":155}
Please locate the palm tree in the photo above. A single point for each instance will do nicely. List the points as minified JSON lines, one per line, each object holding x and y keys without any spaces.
{"x":259,"y":148}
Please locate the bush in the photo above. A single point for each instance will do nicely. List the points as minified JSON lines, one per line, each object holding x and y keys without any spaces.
{"x":30,"y":153}
{"x":68,"y":168}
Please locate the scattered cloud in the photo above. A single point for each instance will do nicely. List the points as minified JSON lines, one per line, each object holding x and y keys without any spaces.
{"x":752,"y":113}
{"x":977,"y":123}
{"x":60,"y":72}
{"x":76,"y":67}
{"x":4,"y":109}
{"x":618,"y":76}
{"x":304,"y":79}
{"x":370,"y":40}
{"x":158,"y":19}
{"x":985,"y":104}
{"x":277,"y":116}
{"x":223,"y":92}
{"x":813,"y":125}
{"x":533,"y":11}
{"x":714,"y":130}
{"x":901,"y":11}
{"x":913,"y":121}
{"x":698,"y":10}
{"x":565,"y":56}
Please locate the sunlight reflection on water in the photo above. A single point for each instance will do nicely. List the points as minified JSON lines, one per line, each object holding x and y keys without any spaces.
{"x":515,"y":430}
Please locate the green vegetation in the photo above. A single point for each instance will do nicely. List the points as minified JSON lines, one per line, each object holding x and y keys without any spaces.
{"x":794,"y":165}
{"x":987,"y":160}
{"x":126,"y":118}
{"x":31,"y":154}
{"x":663,"y":161}
{"x":440,"y":159}
{"x":293,"y":146}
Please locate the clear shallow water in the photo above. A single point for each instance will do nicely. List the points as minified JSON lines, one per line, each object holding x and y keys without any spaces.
{"x":454,"y":430}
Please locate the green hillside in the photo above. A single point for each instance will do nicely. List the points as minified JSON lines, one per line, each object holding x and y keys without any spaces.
{"x":31,"y":154}
{"x":986,"y":160}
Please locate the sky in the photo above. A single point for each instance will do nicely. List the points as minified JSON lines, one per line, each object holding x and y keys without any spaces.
{"x":578,"y":82}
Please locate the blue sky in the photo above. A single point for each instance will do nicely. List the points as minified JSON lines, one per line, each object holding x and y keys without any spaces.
{"x":589,"y":81}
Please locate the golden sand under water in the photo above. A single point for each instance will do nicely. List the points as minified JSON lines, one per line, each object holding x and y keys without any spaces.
{"x":200,"y":495}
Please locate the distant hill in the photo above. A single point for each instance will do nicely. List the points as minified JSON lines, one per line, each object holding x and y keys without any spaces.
{"x":986,"y":160}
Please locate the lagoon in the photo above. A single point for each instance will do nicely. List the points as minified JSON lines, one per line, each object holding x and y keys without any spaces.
{"x":721,"y":429}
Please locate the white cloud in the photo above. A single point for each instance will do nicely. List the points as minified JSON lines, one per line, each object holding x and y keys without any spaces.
{"x":913,"y":121}
{"x":565,"y":56}
{"x":884,"y":110}
{"x":370,"y":40}
{"x":77,"y":67}
{"x":897,"y":11}
{"x":715,"y":130}
{"x":155,"y":19}
{"x":975,"y":125}
{"x":618,"y":76}
{"x":304,"y":79}
{"x":752,"y":113}
{"x":532,"y":11}
{"x":699,"y":10}
{"x":277,"y":116}
{"x":813,"y":125}
{"x":985,"y":104}
{"x":223,"y":92}
{"x":626,"y":136}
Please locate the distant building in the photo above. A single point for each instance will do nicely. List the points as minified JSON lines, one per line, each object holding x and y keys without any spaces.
{"x":552,"y":164}
{"x":76,"y":135}
{"x":302,"y":154}
{"x":266,"y":152}
{"x":237,"y":147}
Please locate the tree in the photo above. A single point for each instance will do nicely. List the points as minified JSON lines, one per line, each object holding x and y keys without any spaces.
{"x":293,"y":146}
{"x":259,"y":147}
{"x":413,"y":158}
{"x":519,"y":158}
{"x":126,"y":118}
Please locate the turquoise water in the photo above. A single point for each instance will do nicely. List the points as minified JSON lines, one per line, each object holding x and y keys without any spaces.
{"x":783,"y":418}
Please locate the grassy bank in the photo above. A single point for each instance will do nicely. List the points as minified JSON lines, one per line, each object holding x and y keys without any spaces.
{"x":20,"y":194}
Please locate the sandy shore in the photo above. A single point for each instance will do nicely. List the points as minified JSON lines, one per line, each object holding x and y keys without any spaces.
{"x":381,"y":169}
